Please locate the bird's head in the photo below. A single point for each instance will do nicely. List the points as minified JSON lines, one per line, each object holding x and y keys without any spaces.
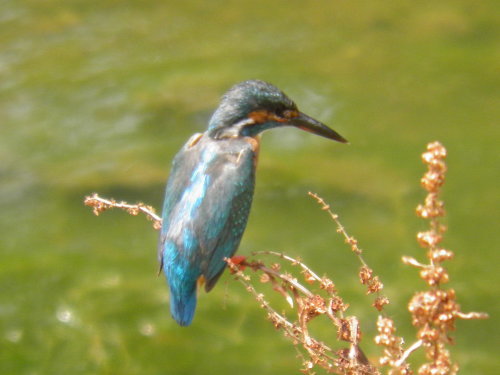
{"x":251,"y":107}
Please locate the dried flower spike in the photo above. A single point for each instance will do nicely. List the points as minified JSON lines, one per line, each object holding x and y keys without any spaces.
{"x":434,"y":311}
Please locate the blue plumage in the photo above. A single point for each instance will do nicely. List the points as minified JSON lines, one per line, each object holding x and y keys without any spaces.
{"x":210,"y":188}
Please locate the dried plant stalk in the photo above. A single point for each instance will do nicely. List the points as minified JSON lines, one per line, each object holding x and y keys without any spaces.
{"x":318,"y":298}
{"x":367,"y":276}
{"x":435,"y":310}
{"x":101,"y":204}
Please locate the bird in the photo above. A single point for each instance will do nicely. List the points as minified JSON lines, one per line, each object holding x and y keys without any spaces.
{"x":210,"y":188}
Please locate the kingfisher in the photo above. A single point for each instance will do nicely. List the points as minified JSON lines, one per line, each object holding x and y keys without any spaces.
{"x":210,"y":188}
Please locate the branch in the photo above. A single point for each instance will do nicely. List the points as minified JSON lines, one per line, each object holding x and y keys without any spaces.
{"x":100,"y":205}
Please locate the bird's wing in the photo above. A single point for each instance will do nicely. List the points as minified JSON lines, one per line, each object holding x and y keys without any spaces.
{"x":228,"y":239}
{"x":222,"y":217}
{"x":179,"y":179}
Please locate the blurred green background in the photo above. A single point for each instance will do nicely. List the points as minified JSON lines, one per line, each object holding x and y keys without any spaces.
{"x":97,"y":96}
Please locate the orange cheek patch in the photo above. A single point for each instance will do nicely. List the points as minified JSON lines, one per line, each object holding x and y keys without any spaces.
{"x":259,"y":117}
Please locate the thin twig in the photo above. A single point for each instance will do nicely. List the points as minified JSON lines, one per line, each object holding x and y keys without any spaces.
{"x":407,"y":353}
{"x":101,"y":204}
{"x":472,"y":315}
{"x":293,"y":261}
{"x":340,"y":228}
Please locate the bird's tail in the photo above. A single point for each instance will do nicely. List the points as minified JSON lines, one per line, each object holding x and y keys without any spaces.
{"x":183,"y":304}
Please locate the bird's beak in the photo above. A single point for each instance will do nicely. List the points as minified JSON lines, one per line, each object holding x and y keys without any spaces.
{"x":304,"y":122}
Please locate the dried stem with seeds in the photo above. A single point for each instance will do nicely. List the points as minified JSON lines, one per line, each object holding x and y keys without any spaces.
{"x":435,"y":310}
{"x":100,"y":205}
{"x":318,"y":298}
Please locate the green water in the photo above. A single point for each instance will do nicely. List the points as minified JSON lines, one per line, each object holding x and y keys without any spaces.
{"x":97,"y":96}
